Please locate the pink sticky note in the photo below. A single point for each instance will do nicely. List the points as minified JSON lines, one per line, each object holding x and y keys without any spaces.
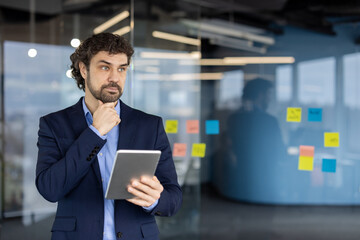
{"x":192,"y":126}
{"x":307,"y":151}
{"x":179,"y":150}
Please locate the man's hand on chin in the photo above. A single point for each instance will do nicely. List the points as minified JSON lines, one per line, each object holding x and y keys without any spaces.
{"x":105,"y":117}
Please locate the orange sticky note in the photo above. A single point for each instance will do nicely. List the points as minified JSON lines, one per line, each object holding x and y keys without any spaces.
{"x":192,"y":126}
{"x":307,"y":151}
{"x":179,"y":150}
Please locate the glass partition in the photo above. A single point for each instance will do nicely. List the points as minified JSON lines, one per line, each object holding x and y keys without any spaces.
{"x":166,"y":82}
{"x":295,"y":144}
{"x":34,"y":86}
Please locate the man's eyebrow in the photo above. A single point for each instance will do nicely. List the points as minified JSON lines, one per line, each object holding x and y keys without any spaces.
{"x":109,"y":63}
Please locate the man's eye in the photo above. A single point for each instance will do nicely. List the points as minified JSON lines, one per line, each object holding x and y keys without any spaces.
{"x":122,"y":69}
{"x":105,"y":68}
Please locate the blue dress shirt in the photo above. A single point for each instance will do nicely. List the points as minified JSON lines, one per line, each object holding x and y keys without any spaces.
{"x":106,"y":158}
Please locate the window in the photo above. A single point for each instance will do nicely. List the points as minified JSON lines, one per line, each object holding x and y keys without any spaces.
{"x":284,"y":83}
{"x":317,"y":81}
{"x":230,"y":89}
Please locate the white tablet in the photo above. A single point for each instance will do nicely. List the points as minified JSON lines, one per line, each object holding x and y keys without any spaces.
{"x":129,"y":165}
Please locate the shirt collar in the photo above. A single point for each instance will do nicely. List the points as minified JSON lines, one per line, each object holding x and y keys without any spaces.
{"x":87,"y":113}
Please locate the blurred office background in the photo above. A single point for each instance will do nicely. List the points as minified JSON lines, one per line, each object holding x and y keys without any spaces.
{"x":192,"y":60}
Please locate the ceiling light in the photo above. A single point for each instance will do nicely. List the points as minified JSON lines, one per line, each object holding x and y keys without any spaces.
{"x":238,"y":44}
{"x":32,"y":52}
{"x":196,"y":76}
{"x":171,"y":55}
{"x":69,"y":73}
{"x":238,"y":61}
{"x":209,"y":62}
{"x":111,"y":22}
{"x":259,"y":60}
{"x":176,"y":38}
{"x":75,"y":42}
{"x":180,"y":76}
{"x":229,"y":30}
{"x":122,"y":31}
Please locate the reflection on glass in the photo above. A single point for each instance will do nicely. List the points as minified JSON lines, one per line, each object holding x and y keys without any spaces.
{"x":249,"y":164}
{"x":317,"y":81}
{"x":351,"y":80}
{"x":351,"y":63}
{"x":157,"y":91}
{"x":284,"y":83}
{"x":230,"y":89}
{"x":33,"y":86}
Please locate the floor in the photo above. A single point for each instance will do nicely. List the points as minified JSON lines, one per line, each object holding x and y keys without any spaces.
{"x":226,"y":219}
{"x":223,"y":219}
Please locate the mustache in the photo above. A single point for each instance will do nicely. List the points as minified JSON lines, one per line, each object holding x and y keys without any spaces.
{"x":111,"y":84}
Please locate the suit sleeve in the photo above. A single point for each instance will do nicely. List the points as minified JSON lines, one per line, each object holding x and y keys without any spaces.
{"x":62,"y":164}
{"x":171,"y":197}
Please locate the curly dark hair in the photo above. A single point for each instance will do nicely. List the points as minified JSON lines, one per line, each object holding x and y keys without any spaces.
{"x":111,"y":43}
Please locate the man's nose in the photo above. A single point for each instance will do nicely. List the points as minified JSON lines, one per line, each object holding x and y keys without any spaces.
{"x":115,"y":75}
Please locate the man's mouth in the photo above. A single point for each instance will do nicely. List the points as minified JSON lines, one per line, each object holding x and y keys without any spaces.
{"x":112,"y":89}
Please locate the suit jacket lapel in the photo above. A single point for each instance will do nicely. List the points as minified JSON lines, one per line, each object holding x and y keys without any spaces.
{"x":127,"y":127}
{"x":79,"y":124}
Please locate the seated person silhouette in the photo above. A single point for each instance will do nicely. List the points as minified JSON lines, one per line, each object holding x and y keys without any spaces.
{"x":255,"y":144}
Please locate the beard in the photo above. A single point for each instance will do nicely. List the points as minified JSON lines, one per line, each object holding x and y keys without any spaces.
{"x":102,"y":94}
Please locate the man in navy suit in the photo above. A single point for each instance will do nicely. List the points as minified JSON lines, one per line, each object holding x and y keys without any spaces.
{"x":77,"y":146}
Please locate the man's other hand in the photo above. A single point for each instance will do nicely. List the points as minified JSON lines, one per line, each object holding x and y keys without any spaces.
{"x":147,"y":191}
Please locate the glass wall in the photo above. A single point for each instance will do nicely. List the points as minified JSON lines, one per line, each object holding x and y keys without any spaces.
{"x":166,"y":82}
{"x":163,"y":80}
{"x":256,"y":128}
{"x":294,"y":144}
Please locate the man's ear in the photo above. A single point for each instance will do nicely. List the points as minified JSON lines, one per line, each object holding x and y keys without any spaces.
{"x":83,"y":70}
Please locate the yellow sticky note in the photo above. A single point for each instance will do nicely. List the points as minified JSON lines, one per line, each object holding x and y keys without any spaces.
{"x":306,"y":163}
{"x":198,"y":150}
{"x":331,"y":139}
{"x":171,"y":126}
{"x":293,"y":115}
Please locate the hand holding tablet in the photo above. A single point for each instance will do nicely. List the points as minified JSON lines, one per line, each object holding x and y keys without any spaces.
{"x":147,"y":191}
{"x":130,"y":167}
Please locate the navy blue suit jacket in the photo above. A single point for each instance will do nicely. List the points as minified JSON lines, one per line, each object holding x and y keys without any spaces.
{"x":68,"y":172}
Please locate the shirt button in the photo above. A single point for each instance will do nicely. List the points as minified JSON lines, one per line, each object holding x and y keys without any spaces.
{"x":101,"y":154}
{"x":119,"y":235}
{"x":102,"y":179}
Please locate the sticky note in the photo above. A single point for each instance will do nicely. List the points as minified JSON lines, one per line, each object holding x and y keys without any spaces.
{"x":306,"y":163}
{"x":212,"y":127}
{"x":314,"y":114}
{"x":307,"y":151}
{"x":293,"y":115}
{"x":192,"y":126}
{"x":171,"y":126}
{"x":329,"y":165}
{"x":198,"y":150}
{"x":179,"y":150}
{"x":331,"y":139}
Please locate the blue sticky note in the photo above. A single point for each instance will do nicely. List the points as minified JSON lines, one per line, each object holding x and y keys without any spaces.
{"x":329,"y":165}
{"x":212,"y":127}
{"x":315,"y":115}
